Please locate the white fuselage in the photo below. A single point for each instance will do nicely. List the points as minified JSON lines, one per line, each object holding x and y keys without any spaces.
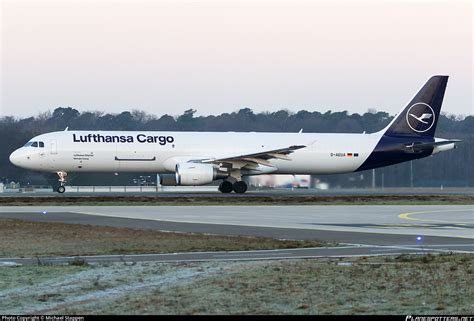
{"x":137,"y":151}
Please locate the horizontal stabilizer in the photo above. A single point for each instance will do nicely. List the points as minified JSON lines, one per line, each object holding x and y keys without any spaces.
{"x":421,"y":147}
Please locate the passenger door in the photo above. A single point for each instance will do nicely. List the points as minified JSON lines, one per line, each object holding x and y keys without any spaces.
{"x":54,"y":147}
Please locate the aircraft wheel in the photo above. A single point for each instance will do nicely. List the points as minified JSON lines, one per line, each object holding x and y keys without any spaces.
{"x":240,"y":187}
{"x":225,"y":187}
{"x":61,"y":189}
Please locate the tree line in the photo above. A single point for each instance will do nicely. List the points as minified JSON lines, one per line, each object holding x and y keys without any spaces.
{"x":449,"y":169}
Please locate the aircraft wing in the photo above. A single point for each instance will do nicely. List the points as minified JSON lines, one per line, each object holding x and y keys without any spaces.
{"x":420,"y":147}
{"x":260,"y":157}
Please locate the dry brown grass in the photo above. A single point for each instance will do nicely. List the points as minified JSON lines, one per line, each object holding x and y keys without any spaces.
{"x":24,"y":238}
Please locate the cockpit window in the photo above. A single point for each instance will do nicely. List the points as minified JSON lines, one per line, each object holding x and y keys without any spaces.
{"x":34,"y":144}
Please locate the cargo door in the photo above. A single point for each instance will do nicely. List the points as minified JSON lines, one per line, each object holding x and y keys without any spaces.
{"x":133,"y":157}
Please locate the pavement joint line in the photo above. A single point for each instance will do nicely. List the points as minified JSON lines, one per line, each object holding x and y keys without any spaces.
{"x":177,"y":253}
{"x":447,"y":245}
{"x":228,"y":254}
{"x":420,"y":247}
{"x":282,"y":258}
{"x":423,"y":249}
{"x":250,"y":254}
{"x":401,"y":245}
{"x":357,"y":244}
{"x":382,"y":250}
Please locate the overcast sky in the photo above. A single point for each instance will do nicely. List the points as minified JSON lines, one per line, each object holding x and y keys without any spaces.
{"x":169,"y":56}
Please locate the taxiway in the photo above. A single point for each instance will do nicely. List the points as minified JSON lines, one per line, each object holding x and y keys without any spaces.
{"x":362,"y":230}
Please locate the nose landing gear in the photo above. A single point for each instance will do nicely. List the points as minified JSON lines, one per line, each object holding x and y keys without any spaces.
{"x":62,"y":179}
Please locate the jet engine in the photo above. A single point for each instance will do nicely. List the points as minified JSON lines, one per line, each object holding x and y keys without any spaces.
{"x":197,"y":174}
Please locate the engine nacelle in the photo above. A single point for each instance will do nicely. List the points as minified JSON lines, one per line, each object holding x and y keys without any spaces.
{"x":195,"y":174}
{"x":168,"y":180}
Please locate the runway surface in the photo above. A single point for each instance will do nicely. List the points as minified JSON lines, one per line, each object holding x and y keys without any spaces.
{"x":429,"y":220}
{"x":364,"y":230}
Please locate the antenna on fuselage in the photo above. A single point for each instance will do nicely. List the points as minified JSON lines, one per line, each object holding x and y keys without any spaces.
{"x":301,"y":130}
{"x":66,"y":128}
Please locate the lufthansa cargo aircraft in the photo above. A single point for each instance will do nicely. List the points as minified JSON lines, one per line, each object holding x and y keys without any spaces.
{"x":198,"y":158}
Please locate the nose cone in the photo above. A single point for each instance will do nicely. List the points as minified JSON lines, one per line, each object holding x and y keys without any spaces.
{"x":15,"y":158}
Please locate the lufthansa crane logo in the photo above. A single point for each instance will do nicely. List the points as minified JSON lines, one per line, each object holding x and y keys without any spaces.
{"x":420,"y":117}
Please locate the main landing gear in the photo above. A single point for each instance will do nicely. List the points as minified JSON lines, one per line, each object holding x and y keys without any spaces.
{"x":239,"y":187}
{"x":62,"y":179}
{"x":225,"y":187}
